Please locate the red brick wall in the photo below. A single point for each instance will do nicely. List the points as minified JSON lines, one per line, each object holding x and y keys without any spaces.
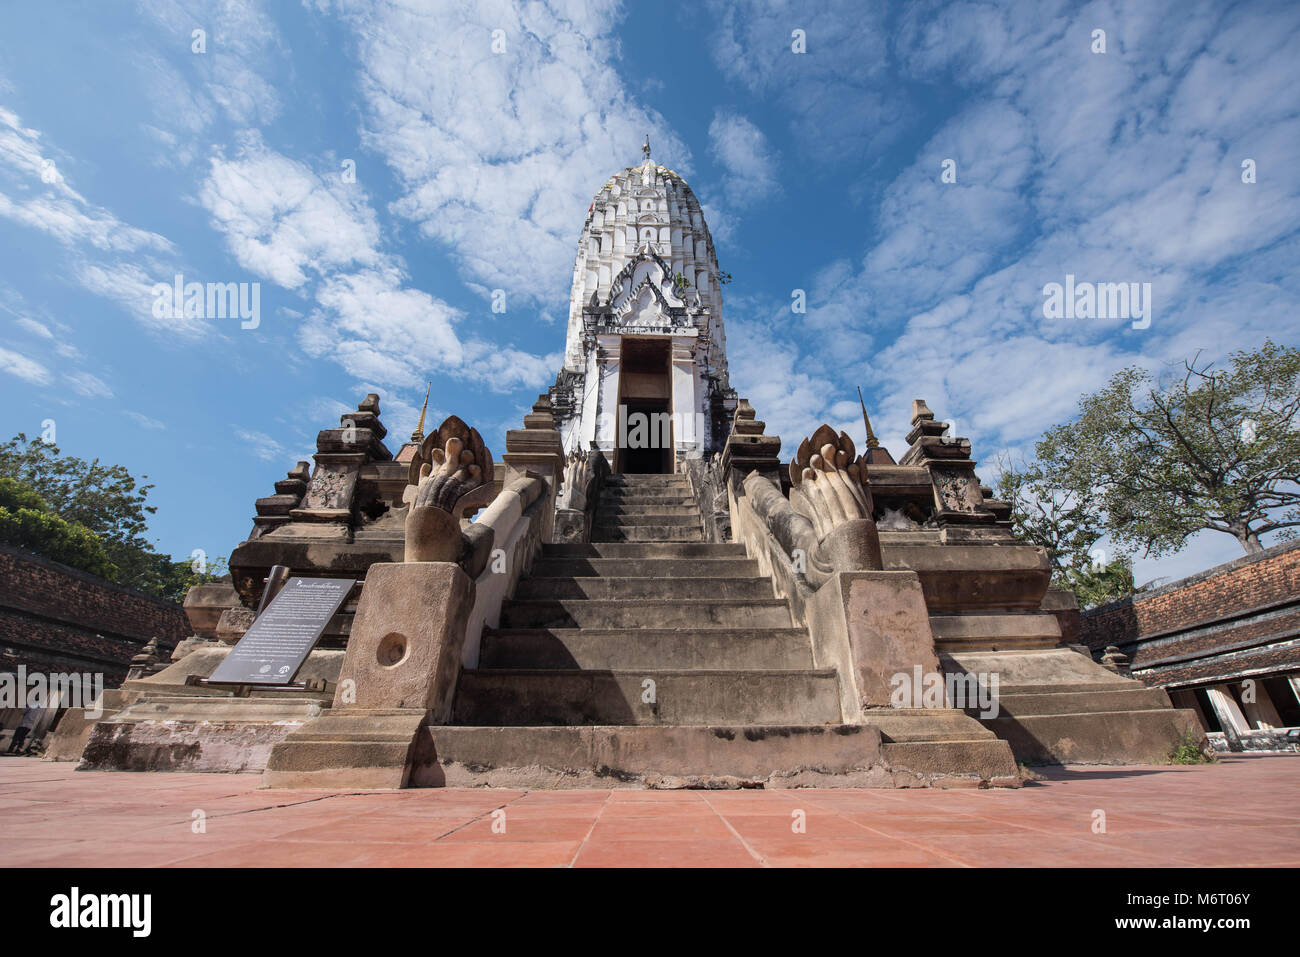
{"x":1249,"y":582}
{"x":57,"y":618}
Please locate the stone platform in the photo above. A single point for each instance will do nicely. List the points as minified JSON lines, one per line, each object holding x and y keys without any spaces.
{"x":1234,"y":813}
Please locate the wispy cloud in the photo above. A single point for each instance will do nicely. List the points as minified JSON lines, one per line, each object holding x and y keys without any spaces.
{"x":748,"y":161}
{"x":29,"y":370}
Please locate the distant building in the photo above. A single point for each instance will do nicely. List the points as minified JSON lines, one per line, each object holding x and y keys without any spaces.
{"x":1224,"y":643}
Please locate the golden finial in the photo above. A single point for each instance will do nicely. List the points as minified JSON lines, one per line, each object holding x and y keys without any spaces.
{"x":872,"y":441}
{"x":418,"y":435}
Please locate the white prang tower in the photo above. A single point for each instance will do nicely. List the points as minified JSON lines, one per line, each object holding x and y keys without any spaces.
{"x":645,"y":332}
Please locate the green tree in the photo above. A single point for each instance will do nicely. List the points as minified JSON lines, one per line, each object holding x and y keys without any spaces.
{"x":1063,"y":521}
{"x":1097,"y":583}
{"x":27,"y":522}
{"x":104,"y":501}
{"x":1068,"y":525}
{"x":1204,"y":448}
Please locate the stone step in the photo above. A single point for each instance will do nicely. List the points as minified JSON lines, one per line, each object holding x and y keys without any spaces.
{"x":628,"y":480}
{"x":623,"y":496}
{"x":648,"y":493}
{"x":647,"y":567}
{"x":759,"y":755}
{"x":615,"y":511}
{"x":676,"y":649}
{"x":959,"y":633}
{"x":669,"y":589}
{"x":290,"y":707}
{"x":645,"y":613}
{"x":1098,"y":737}
{"x":638,"y":505}
{"x":647,"y":533}
{"x":543,"y":697}
{"x":633,"y":519}
{"x":350,"y":748}
{"x":1054,"y":701}
{"x":927,"y":724}
{"x":625,"y":550}
{"x":966,"y":763}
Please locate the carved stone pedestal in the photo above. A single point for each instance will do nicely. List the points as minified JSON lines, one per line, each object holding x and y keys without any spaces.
{"x":883,"y":628}
{"x":399,"y":674}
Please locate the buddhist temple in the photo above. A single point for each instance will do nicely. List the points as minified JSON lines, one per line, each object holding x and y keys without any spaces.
{"x":644,"y":589}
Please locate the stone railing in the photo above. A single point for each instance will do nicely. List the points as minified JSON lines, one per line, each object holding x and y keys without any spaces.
{"x":515,"y":520}
{"x":419,"y":622}
{"x":821,"y":549}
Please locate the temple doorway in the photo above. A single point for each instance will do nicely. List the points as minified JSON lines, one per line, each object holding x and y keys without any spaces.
{"x":645,"y":431}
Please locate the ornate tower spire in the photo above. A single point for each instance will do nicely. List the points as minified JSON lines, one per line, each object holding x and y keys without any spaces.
{"x":872,"y":441}
{"x":876,"y":453}
{"x":418,"y":435}
{"x":646,"y":300}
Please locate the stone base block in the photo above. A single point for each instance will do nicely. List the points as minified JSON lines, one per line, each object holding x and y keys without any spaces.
{"x":886,"y":628}
{"x":714,"y":757}
{"x":73,"y":731}
{"x":952,"y":764}
{"x":1105,"y":737}
{"x":1058,"y":706}
{"x":658,"y":757}
{"x":354,"y":748}
{"x":194,"y":734}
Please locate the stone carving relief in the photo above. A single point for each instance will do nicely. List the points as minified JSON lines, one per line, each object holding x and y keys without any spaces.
{"x":330,"y":488}
{"x":573,"y":488}
{"x":957,"y":490}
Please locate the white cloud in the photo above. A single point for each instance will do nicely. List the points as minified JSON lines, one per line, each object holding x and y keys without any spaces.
{"x":495,"y":152}
{"x":380,"y":331}
{"x":320,"y":235}
{"x":1053,"y":179}
{"x":282,"y":220}
{"x":840,"y":95}
{"x":144,"y":421}
{"x":240,"y":38}
{"x":29,"y":370}
{"x":39,"y":197}
{"x":34,"y":327}
{"x":262,"y":445}
{"x":133,"y":289}
{"x":747,"y":159}
{"x":91,"y":386}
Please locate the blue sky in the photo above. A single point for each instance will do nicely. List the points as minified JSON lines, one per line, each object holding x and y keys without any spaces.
{"x":126,"y":157}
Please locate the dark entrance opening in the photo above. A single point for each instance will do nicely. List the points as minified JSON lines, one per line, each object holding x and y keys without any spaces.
{"x":648,"y":437}
{"x":645,"y":432}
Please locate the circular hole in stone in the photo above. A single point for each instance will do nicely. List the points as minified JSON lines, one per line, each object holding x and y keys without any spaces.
{"x":392,"y":650}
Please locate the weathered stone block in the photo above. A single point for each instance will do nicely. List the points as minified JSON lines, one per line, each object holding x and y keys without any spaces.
{"x":405,"y":647}
{"x":884,"y":621}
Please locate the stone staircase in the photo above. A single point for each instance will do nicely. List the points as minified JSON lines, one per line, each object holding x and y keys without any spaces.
{"x":1058,"y":706}
{"x":652,"y":657}
{"x":647,"y":508}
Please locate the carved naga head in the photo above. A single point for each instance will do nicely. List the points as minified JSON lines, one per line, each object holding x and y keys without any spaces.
{"x":449,"y":468}
{"x":829,"y":480}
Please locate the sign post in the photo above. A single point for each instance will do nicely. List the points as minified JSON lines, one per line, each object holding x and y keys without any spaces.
{"x":282,"y":636}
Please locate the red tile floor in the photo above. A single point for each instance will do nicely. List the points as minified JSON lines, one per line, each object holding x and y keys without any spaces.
{"x":1239,"y":812}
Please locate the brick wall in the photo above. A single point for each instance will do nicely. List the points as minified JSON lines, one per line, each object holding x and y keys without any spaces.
{"x":56,"y":618}
{"x":1238,"y":617}
{"x":1250,"y":582}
